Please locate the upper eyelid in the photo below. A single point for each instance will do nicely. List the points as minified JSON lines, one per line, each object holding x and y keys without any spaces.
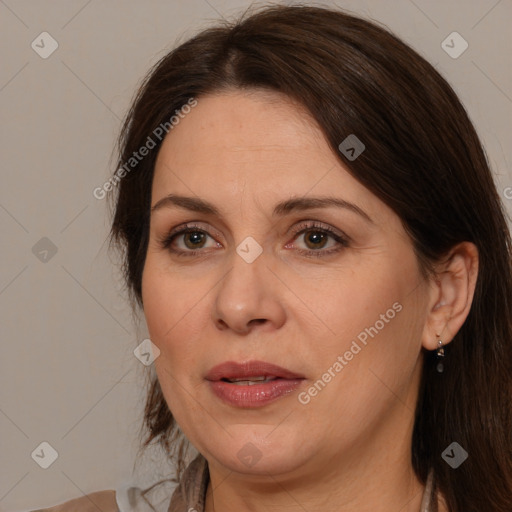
{"x":187,"y":226}
{"x":332,"y":231}
{"x":303,"y":224}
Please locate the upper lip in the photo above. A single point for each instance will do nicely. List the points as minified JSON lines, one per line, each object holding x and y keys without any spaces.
{"x":234,"y":370}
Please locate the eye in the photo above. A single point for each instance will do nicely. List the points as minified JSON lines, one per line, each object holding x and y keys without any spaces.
{"x":187,"y":240}
{"x":319,"y":240}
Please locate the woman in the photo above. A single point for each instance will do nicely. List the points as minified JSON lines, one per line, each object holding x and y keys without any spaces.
{"x":311,"y":228}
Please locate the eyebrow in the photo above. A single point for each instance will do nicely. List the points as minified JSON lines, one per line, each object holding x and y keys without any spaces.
{"x":198,"y":205}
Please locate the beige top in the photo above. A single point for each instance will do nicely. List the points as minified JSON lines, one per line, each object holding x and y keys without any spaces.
{"x":189,"y":494}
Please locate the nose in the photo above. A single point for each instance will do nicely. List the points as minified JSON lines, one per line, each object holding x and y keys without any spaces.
{"x":248,"y":298}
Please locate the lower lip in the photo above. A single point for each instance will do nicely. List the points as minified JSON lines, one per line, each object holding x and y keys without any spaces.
{"x":254,"y":395}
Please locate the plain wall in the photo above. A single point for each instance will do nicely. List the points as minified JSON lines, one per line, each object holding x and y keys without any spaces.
{"x":68,"y":375}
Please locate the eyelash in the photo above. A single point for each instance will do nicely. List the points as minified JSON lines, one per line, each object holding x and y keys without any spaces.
{"x":304,"y":227}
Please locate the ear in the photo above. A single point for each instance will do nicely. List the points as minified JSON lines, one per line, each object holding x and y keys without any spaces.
{"x":451,"y":294}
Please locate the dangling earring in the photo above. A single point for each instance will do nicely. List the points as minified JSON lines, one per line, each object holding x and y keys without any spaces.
{"x":440,"y":355}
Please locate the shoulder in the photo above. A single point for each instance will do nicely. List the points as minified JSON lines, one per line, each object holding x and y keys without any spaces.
{"x":100,"y":500}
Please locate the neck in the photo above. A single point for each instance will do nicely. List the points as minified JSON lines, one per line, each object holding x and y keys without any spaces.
{"x":388,"y":493}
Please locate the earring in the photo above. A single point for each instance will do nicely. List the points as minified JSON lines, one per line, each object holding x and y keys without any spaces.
{"x":440,"y":355}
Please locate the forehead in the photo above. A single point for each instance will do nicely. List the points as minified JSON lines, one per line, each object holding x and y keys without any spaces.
{"x":234,"y":124}
{"x":251,"y":144}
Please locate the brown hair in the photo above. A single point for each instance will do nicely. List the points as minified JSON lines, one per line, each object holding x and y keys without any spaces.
{"x":423,"y":159}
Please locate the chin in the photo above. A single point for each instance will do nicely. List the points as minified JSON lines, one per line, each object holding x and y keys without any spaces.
{"x":261,"y":454}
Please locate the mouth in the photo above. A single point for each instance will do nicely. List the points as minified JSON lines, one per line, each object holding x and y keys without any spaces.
{"x":252,"y":384}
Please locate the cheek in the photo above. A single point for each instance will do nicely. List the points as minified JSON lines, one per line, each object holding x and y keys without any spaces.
{"x":376,"y":298}
{"x":171,"y":310}
{"x":373,"y":302}
{"x":176,"y":313}
{"x":354,"y":305}
{"x":167,"y":303}
{"x":377,"y":317}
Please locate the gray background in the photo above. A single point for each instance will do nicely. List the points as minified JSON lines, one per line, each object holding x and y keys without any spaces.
{"x":68,"y":373}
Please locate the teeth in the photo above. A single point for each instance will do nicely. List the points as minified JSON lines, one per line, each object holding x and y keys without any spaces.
{"x":252,"y":381}
{"x":261,"y":377}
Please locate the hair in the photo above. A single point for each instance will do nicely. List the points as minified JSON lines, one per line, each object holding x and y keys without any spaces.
{"x":423,"y":159}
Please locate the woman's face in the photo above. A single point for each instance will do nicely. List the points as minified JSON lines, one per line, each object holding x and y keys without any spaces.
{"x":291,"y":271}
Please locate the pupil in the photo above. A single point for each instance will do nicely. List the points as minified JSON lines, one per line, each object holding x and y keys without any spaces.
{"x":316,"y":238}
{"x":193,"y":239}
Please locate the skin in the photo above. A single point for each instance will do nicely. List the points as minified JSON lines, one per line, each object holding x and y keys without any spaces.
{"x":348,"y":449}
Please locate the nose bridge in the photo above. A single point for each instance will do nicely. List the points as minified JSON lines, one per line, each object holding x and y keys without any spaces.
{"x":247,"y":293}
{"x":240,"y":291}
